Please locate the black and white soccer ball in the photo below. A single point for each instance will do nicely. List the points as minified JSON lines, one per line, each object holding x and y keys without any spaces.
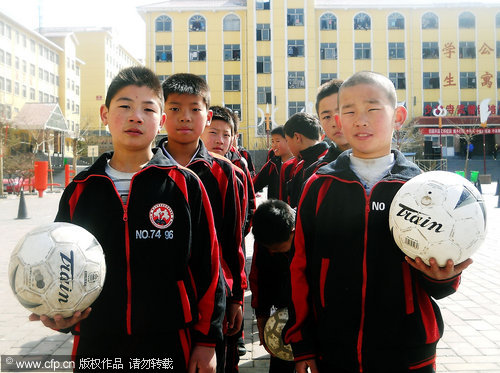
{"x":272,"y":335}
{"x":58,"y":268}
{"x":439,"y":215}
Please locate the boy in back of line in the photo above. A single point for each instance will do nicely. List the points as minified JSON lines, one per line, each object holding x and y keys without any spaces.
{"x":114,"y":199}
{"x":302,"y":133}
{"x":187,"y":102}
{"x":327,"y":107}
{"x":273,"y":230}
{"x":358,"y":303}
{"x":269,"y":174}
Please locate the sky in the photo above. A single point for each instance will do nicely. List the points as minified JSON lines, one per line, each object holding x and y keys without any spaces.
{"x":121,"y":15}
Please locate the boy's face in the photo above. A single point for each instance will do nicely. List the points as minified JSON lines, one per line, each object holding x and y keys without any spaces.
{"x":294,"y":144}
{"x":367,"y":119}
{"x":279,"y":145}
{"x":187,"y":116}
{"x":328,"y":107}
{"x":281,"y":247}
{"x":134,"y":118}
{"x":217,"y":137}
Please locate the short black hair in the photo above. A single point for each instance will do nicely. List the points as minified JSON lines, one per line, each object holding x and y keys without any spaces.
{"x":135,"y":75}
{"x":278,"y":131}
{"x":273,"y":222}
{"x":303,"y":123}
{"x":374,"y":79}
{"x":186,"y":84}
{"x":224,"y":114}
{"x":327,"y":89}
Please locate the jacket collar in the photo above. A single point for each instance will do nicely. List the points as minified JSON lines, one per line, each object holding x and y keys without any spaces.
{"x":403,"y":169}
{"x":313,"y":152}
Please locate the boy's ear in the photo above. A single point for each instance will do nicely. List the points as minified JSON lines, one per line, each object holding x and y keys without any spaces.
{"x":210,"y":114}
{"x":298,"y":137}
{"x":400,"y":115}
{"x":162,"y":121}
{"x":104,"y":114}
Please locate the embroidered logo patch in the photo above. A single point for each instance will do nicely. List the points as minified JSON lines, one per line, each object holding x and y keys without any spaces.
{"x":161,"y":215}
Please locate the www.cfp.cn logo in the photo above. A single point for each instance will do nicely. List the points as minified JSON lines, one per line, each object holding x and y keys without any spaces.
{"x":161,"y":215}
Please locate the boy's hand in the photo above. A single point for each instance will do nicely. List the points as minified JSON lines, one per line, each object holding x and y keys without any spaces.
{"x":261,"y":324}
{"x":202,"y":360}
{"x":438,"y":273}
{"x":234,"y":318}
{"x":301,"y":366}
{"x":59,"y":322}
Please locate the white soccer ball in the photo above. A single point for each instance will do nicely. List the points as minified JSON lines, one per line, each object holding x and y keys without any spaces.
{"x":272,"y":335}
{"x":57,"y":268}
{"x":438,"y":215}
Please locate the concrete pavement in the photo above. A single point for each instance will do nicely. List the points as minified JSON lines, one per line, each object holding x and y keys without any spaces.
{"x":471,"y":342}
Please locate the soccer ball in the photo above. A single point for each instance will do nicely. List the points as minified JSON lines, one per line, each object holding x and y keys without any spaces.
{"x":272,"y":335}
{"x":438,"y":215}
{"x":57,"y":268}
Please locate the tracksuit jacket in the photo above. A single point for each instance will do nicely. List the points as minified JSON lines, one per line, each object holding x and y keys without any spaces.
{"x":161,"y":252}
{"x":219,"y":179}
{"x":306,"y":158}
{"x":356,"y":303}
{"x":269,"y":175}
{"x":331,"y":155}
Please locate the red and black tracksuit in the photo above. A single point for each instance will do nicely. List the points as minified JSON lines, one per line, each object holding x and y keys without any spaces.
{"x":219,"y":179}
{"x":331,"y":155}
{"x":164,"y":289}
{"x":297,"y":177}
{"x":357,"y":306}
{"x":269,"y":175}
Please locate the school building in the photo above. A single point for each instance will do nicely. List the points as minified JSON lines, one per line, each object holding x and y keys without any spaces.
{"x":266,"y":58}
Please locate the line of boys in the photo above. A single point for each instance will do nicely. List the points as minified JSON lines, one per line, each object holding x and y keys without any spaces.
{"x":358,"y":304}
{"x":191,"y":268}
{"x":193,"y":296}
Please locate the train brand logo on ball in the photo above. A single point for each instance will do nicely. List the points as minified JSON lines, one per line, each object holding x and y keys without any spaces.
{"x":161,"y":215}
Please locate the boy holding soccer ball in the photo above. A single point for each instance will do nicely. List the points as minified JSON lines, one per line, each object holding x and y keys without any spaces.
{"x":358,"y":304}
{"x":163,"y":295}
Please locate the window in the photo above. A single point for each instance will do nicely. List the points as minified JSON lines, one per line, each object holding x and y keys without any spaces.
{"x":32,"y":94}
{"x":8,"y":59}
{"x":497,"y":20}
{"x":362,"y":21}
{"x":40,"y":73}
{"x":362,"y":51}
{"x":429,"y":106}
{"x":16,"y":63}
{"x":16,"y":88}
{"x":32,"y":46}
{"x":466,"y":20}
{"x":396,"y":22}
{"x":429,"y":21}
{"x":430,"y":50}
{"x":296,"y":79}
{"x":398,"y":79}
{"x":2,"y":55}
{"x":2,"y":30}
{"x":431,"y":80}
{"x":231,"y":52}
{"x":295,"y":107}
{"x":263,"y":4}
{"x":25,"y":91}
{"x":232,"y":83}
{"x":263,"y":65}
{"x":162,"y":78}
{"x":52,"y":79}
{"x":235,"y":108}
{"x":498,"y":79}
{"x":498,"y":50}
{"x":295,"y":17}
{"x":2,"y":83}
{"x":467,"y":80}
{"x":25,"y":66}
{"x":264,"y":95}
{"x":32,"y":69}
{"x":328,"y":22}
{"x":163,"y":53}
{"x":197,"y":53}
{"x":326,"y":77}
{"x":328,"y":51}
{"x":295,"y":48}
{"x":263,"y":31}
{"x":163,"y":23}
{"x":396,"y":51}
{"x":231,"y":23}
{"x":467,"y":49}
{"x":197,"y":23}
